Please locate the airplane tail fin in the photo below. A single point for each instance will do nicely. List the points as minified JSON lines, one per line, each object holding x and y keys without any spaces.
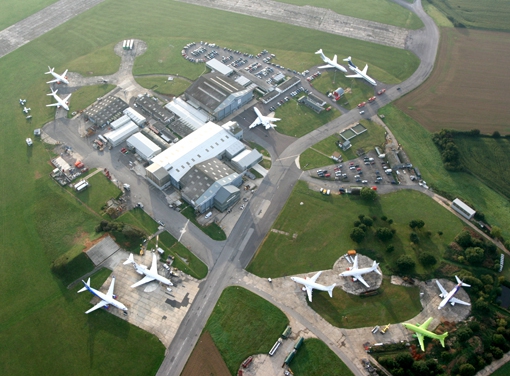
{"x":335,"y":59}
{"x":86,"y":284}
{"x":53,"y":92}
{"x":442,"y":338}
{"x":330,"y":290}
{"x":462,"y":283}
{"x":130,"y":260}
{"x":321,"y":53}
{"x":374,"y":268}
{"x":50,"y":70}
{"x":348,"y":59}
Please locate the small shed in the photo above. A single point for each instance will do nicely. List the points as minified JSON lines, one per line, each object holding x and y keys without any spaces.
{"x":144,"y":147}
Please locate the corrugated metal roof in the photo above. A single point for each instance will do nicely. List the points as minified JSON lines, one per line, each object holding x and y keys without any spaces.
{"x":219,"y":67}
{"x":143,"y":145}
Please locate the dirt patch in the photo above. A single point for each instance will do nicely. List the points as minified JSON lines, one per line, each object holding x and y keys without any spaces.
{"x":89,"y":243}
{"x":37,"y":175}
{"x":205,"y":359}
{"x":468,"y":87}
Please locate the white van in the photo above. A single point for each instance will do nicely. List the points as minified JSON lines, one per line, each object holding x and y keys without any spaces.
{"x":208,"y":215}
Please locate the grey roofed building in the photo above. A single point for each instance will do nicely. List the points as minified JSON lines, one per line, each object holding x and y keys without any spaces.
{"x":246,"y":159}
{"x":202,"y":183}
{"x":218,"y":95}
{"x":105,"y":110}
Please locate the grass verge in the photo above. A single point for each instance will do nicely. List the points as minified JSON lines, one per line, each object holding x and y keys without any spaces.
{"x":213,"y":230}
{"x":161,"y":85}
{"x":87,"y":95}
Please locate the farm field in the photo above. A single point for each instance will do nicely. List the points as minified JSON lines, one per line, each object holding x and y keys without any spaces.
{"x":476,"y":14}
{"x":417,"y":142}
{"x":244,"y":324}
{"x":161,"y":85}
{"x":205,"y":359}
{"x":468,"y":86}
{"x":298,"y":119}
{"x":393,"y":304}
{"x":318,"y":154}
{"x":315,"y":358}
{"x":12,"y":11}
{"x":383,"y":11}
{"x":323,"y":233}
{"x":487,"y":159}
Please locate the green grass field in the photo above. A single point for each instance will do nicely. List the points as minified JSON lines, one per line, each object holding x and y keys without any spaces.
{"x":318,"y":154}
{"x":486,"y":158}
{"x":417,"y":143}
{"x":12,"y":11}
{"x":212,"y":230}
{"x":244,"y":324}
{"x":323,"y":233}
{"x":161,"y":85}
{"x":85,"y":96}
{"x":298,"y":119}
{"x":101,"y":61}
{"x":477,"y":14}
{"x":100,"y":190}
{"x":351,"y":311}
{"x":438,"y":17}
{"x":383,"y":11}
{"x":502,"y":371}
{"x":315,"y":358}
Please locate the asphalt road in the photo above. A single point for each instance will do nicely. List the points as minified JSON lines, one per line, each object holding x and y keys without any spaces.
{"x":251,"y":229}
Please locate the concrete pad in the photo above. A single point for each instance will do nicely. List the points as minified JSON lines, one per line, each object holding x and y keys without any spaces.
{"x":103,"y":250}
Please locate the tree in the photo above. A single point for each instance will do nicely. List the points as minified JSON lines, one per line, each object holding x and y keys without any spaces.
{"x":405,"y":263}
{"x":475,"y":255}
{"x":384,"y":233}
{"x":414,"y":237}
{"x":390,"y":221}
{"x":368,"y":194}
{"x":405,"y":360}
{"x":357,"y":235}
{"x":496,"y":134}
{"x":390,"y":249}
{"x":464,"y":333}
{"x":420,"y":368}
{"x":416,"y":223}
{"x":367,"y":221}
{"x":427,"y":259}
{"x":467,"y":370}
{"x":496,"y":232}
{"x":464,"y":239}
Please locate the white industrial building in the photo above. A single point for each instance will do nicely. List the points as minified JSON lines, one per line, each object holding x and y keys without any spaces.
{"x":463,"y":209}
{"x":123,"y":120}
{"x":135,"y":116}
{"x":209,"y":141}
{"x":144,"y":147}
{"x":246,"y":159}
{"x":193,"y":117}
{"x":121,"y":134}
{"x":218,"y":66}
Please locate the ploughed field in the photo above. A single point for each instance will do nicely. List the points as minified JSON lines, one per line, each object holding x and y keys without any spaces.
{"x":468,"y":87}
{"x":205,"y":359}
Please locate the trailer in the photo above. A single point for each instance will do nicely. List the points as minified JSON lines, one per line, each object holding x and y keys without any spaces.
{"x":124,"y":44}
{"x":298,"y":343}
{"x":275,"y":347}
{"x":289,"y":357}
{"x":131,"y":44}
{"x":287,"y":332}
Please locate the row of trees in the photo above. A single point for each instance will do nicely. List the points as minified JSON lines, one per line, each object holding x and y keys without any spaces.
{"x":449,"y":151}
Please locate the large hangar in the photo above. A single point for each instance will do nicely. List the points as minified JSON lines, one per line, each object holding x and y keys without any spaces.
{"x":218,"y":95}
{"x":209,"y":141}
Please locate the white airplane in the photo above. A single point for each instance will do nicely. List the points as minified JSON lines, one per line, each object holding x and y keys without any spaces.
{"x":330,"y":63}
{"x":449,"y":296}
{"x":266,"y":121}
{"x":359,"y":73}
{"x":22,"y":102}
{"x":26,"y":110}
{"x":310,"y":285}
{"x":59,"y":79}
{"x":106,"y":299}
{"x":357,"y":273}
{"x":60,"y":102}
{"x":150,"y":274}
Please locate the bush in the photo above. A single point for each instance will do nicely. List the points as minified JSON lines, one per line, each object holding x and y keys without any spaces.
{"x":496,"y":352}
{"x":427,"y":259}
{"x":464,"y":239}
{"x":464,"y":333}
{"x":367,"y":221}
{"x":384,"y":218}
{"x":416,"y":223}
{"x":467,"y":370}
{"x":414,"y":237}
{"x":475,"y":255}
{"x":357,"y":235}
{"x":384,"y":234}
{"x":390,"y":249}
{"x":405,"y":263}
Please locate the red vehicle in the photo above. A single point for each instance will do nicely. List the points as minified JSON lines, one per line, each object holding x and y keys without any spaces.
{"x":327,"y":175}
{"x":382,"y":91}
{"x":370,"y":100}
{"x":362,"y":104}
{"x":358,"y":169}
{"x":123,"y":150}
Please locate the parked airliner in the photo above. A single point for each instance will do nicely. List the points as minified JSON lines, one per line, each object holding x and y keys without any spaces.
{"x":330,"y":63}
{"x":60,"y":102}
{"x":360,"y":73}
{"x":150,"y":274}
{"x":59,"y":79}
{"x":449,"y":296}
{"x":357,"y":273}
{"x":106,"y":299}
{"x":266,"y":121}
{"x":310,"y":285}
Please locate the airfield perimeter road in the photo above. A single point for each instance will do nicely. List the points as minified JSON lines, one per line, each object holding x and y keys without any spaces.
{"x":269,"y":200}
{"x":225,"y":259}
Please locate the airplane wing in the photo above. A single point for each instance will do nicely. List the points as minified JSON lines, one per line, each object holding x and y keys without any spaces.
{"x":458,"y":301}
{"x":325,"y":66}
{"x":354,"y":76}
{"x":52,"y":81}
{"x":314,"y":278}
{"x":365,"y":69}
{"x":64,"y":74}
{"x":359,"y":277}
{"x":101,"y":304}
{"x":443,"y":291}
{"x":53,"y":105}
{"x":420,"y":339}
{"x":110,"y":289}
{"x":255,"y":123}
{"x":335,"y":59}
{"x":142,"y":281}
{"x":154,"y":266}
{"x":425,"y":325}
{"x":355,"y":266}
{"x":309,"y":292}
{"x":67,"y":98}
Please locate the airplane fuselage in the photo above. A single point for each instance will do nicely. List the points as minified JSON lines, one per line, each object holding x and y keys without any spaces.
{"x":102,"y":296}
{"x":355,"y":69}
{"x":350,"y":273}
{"x":307,"y":282}
{"x":449,"y":296}
{"x":150,"y":274}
